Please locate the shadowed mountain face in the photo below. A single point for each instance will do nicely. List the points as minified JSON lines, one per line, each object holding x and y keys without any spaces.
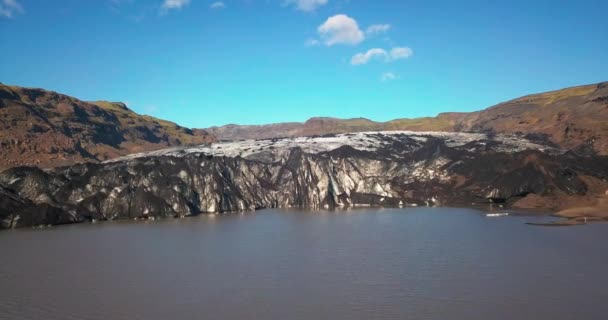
{"x":364,"y":169}
{"x":572,"y":118}
{"x":47,"y":129}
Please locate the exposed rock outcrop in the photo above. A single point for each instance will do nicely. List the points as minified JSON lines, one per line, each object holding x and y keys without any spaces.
{"x":375,"y":168}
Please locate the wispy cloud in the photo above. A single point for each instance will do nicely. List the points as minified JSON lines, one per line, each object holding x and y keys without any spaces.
{"x":173,"y":4}
{"x":377,"y":29}
{"x":340,"y":29}
{"x":8,"y":8}
{"x":312,"y":43}
{"x":388,"y":76}
{"x":397,"y":53}
{"x":217,"y":5}
{"x":307,"y":5}
{"x":365,"y":57}
{"x":401,"y":53}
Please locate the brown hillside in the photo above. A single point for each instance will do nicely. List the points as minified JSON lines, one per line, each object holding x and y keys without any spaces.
{"x":47,"y":129}
{"x":575,"y":117}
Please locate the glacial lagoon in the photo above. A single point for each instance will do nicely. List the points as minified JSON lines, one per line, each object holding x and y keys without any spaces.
{"x":413,"y":263}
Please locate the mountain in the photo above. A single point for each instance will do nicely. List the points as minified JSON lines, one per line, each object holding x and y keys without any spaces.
{"x":48,"y":129}
{"x":324,"y":125}
{"x":390,"y":169}
{"x":572,"y":118}
{"x":546,"y":151}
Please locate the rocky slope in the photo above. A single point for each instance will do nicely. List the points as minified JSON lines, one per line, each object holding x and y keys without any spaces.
{"x":359,"y":169}
{"x":572,"y":118}
{"x":46,"y":129}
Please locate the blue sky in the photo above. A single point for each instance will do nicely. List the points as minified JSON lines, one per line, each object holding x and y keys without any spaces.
{"x":203,"y":63}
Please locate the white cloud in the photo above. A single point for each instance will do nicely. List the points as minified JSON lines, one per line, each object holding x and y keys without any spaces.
{"x":401,"y":53}
{"x":217,"y":5}
{"x":341,"y":29}
{"x":377,"y":29}
{"x":9,"y":7}
{"x":388,"y":76}
{"x":397,"y":53}
{"x":307,"y":5}
{"x":312,"y":43}
{"x":173,"y":4}
{"x":363,"y":58}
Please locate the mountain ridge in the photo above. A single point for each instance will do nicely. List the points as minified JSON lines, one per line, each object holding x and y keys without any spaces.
{"x":573,"y":117}
{"x":48,"y":129}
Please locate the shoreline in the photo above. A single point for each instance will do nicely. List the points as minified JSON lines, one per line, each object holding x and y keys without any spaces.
{"x":568,"y":217}
{"x":482,"y":210}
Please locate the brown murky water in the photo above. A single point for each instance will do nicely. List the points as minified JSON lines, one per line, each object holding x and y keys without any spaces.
{"x":363,"y":264}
